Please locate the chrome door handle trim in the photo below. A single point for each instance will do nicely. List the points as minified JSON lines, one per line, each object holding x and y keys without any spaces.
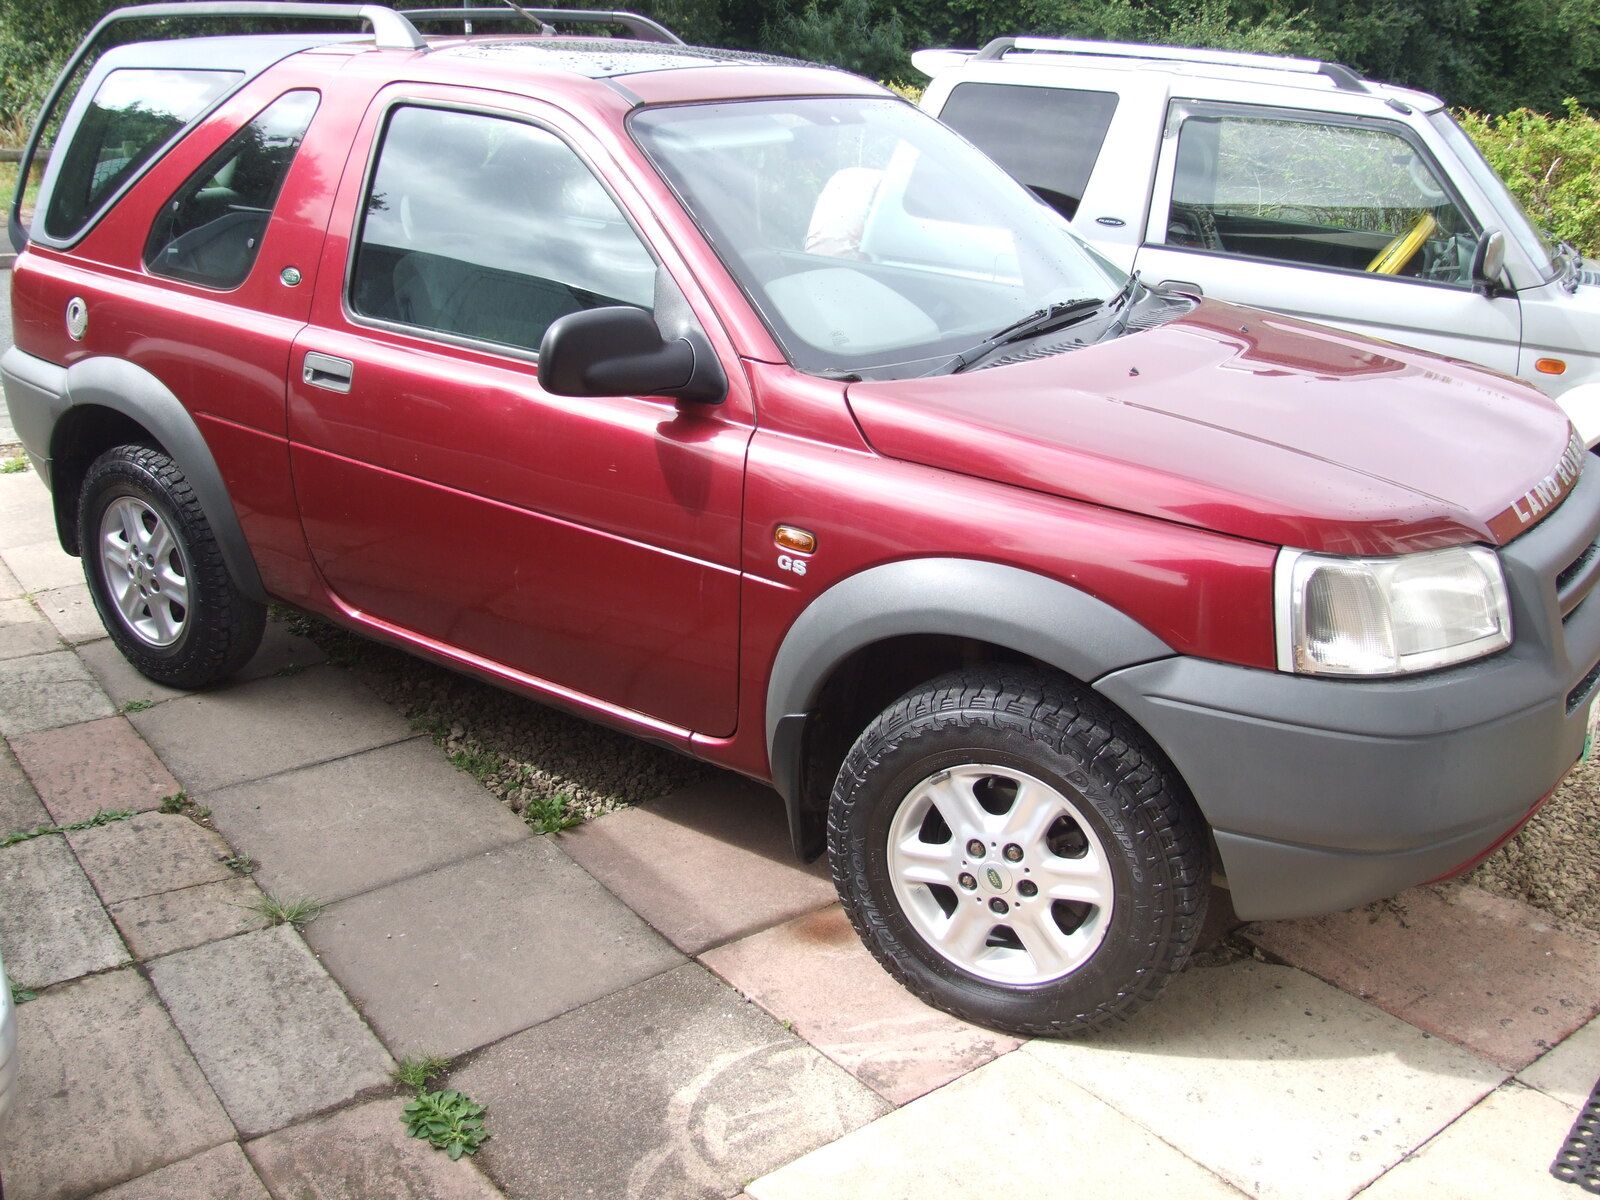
{"x":325,"y":371}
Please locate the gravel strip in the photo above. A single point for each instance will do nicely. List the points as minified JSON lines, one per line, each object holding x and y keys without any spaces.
{"x":1554,"y":863}
{"x":554,"y":768}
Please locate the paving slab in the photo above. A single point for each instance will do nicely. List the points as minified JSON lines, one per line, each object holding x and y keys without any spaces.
{"x":10,"y":589}
{"x":51,"y":924}
{"x":47,"y":691}
{"x":1492,"y":974}
{"x":192,"y":916}
{"x":704,"y":865}
{"x":106,"y":1092}
{"x":273,"y":1034}
{"x":1011,"y":1128}
{"x":674,"y":1088}
{"x":24,"y":631}
{"x":81,"y":769}
{"x":221,"y":1173}
{"x":27,"y":521}
{"x":457,"y":958}
{"x":281,"y":652}
{"x":1571,"y":1070}
{"x":1332,"y":1091}
{"x":814,"y":972}
{"x":1502,"y":1147}
{"x":20,"y":807}
{"x":72,"y":612}
{"x":227,"y":736}
{"x":357,"y":823}
{"x":363,"y":1153}
{"x":42,"y":565}
{"x":149,"y":854}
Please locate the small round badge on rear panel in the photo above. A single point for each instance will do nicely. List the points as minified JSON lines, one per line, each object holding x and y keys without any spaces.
{"x":77,"y":318}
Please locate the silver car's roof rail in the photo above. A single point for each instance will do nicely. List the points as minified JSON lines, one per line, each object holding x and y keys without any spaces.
{"x":640,"y":26}
{"x":390,"y":31}
{"x":1343,"y":77}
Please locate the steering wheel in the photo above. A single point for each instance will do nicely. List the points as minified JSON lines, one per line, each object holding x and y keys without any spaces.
{"x":1403,"y":247}
{"x":1190,"y":226}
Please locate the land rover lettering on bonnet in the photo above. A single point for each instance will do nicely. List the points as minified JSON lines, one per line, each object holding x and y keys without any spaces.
{"x":736,"y":403}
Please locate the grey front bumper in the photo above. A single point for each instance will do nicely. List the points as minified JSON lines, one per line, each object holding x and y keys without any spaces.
{"x":1324,"y":794}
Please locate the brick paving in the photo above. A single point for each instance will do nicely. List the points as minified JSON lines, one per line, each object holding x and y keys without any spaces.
{"x":658,"y":1004}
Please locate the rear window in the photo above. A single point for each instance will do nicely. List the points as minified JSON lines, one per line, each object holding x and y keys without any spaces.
{"x":210,"y":231}
{"x":1046,"y":138}
{"x":134,"y":113}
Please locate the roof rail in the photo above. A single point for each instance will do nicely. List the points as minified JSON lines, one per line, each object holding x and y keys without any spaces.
{"x":1343,"y":77}
{"x":641,"y":27}
{"x":390,"y":31}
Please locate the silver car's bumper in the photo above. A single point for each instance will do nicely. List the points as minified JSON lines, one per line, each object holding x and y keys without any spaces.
{"x":8,"y":1049}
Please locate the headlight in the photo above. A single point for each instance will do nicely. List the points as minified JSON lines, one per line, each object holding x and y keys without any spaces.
{"x":1389,"y":616}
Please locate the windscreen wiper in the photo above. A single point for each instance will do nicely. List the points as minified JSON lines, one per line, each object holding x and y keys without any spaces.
{"x":1045,"y":320}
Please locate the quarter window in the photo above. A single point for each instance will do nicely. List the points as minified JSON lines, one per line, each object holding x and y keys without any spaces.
{"x":210,"y":232}
{"x":487,"y":228}
{"x":1048,"y":139}
{"x":1346,"y":197}
{"x":133,"y":114}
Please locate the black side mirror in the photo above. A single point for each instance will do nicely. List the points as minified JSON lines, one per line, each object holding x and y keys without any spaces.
{"x":1489,"y":262}
{"x":619,"y":351}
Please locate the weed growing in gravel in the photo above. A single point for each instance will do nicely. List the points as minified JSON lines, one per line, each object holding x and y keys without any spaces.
{"x":288,"y":912}
{"x":478,"y":763}
{"x":241,"y":864}
{"x":129,"y":706}
{"x":21,"y":995}
{"x":13,"y":466}
{"x":549,"y":814}
{"x":448,"y":1120}
{"x":175,"y":803}
{"x":104,"y":817}
{"x":415,"y":1073}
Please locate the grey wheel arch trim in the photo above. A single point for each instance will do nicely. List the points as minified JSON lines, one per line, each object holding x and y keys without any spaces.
{"x":1026,"y":612}
{"x":129,"y":389}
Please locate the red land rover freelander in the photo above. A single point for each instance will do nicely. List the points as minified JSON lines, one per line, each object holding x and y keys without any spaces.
{"x":737,"y":403}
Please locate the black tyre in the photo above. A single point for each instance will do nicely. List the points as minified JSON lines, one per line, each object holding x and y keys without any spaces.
{"x":1016,"y":852}
{"x":157,"y":575}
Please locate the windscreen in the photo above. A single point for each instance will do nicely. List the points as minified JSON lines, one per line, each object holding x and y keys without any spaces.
{"x":872,"y":239}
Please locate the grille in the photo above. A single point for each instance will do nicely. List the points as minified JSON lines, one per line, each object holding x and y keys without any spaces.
{"x":1579,"y":1160}
{"x":1578,"y":578}
{"x":1585,"y":685}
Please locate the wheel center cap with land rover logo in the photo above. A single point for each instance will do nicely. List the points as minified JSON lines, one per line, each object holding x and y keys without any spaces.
{"x":998,"y":878}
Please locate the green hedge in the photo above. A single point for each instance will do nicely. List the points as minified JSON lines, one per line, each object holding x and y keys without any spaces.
{"x":1552,"y":163}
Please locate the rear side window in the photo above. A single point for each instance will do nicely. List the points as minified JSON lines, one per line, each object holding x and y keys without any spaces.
{"x":210,"y":231}
{"x":134,"y":114}
{"x":1048,"y":139}
{"x":490,"y":229}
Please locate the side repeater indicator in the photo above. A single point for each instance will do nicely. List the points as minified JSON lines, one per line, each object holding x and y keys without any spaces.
{"x":801,"y":541}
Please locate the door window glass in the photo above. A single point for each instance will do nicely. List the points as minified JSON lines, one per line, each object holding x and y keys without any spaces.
{"x":210,"y":231}
{"x":487,"y":228}
{"x":1340,"y":196}
{"x":1047,"y":138}
{"x":133,"y":114}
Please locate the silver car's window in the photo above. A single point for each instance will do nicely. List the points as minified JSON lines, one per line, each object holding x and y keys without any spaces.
{"x":1337,"y":196}
{"x":489,"y":229}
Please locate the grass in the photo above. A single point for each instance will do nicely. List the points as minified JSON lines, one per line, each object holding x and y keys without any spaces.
{"x":180,"y":803}
{"x":132,"y":706}
{"x":448,"y":1121}
{"x":240,"y":864}
{"x":104,"y":817}
{"x":21,"y":995}
{"x":549,"y":814}
{"x":14,"y":466}
{"x":480,"y":764}
{"x":416,"y":1073}
{"x":299,"y":912}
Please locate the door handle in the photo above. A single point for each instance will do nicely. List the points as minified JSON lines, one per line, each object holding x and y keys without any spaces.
{"x":325,"y":371}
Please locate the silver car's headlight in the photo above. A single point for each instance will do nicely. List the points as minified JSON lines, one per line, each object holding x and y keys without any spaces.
{"x":1389,"y":616}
